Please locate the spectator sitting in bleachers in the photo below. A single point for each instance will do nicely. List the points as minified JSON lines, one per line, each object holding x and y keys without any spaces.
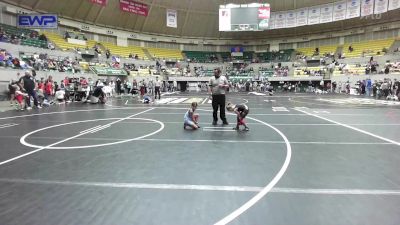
{"x":50,"y":46}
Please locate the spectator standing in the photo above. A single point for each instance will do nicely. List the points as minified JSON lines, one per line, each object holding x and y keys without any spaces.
{"x":157,"y":87}
{"x":11,"y":90}
{"x":112,"y":86}
{"x":118,"y":85}
{"x":48,"y":89}
{"x":368,"y":87}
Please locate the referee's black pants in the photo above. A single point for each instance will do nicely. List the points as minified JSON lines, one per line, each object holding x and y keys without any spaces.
{"x":218,"y":101}
{"x":157,"y":91}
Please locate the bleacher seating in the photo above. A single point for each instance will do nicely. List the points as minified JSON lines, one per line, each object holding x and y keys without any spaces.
{"x":163,"y":53}
{"x":25,"y":36}
{"x":202,"y":57}
{"x":16,"y":31}
{"x":367,"y":48}
{"x":125,"y":51}
{"x":314,"y":71}
{"x":208,"y":72}
{"x":226,"y":56}
{"x":34,"y":43}
{"x":349,"y":70}
{"x":282,"y":56}
{"x":266,"y":72}
{"x":247,"y":56}
{"x":309,"y":52}
{"x":64,"y":45}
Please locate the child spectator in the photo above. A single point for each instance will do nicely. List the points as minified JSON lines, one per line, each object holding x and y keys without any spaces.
{"x":191,"y":119}
{"x":241,"y":111}
{"x":48,"y":89}
{"x":11,"y":88}
{"x":19,"y":96}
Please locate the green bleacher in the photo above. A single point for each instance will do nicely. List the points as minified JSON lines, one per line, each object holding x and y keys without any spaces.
{"x":265,"y":72}
{"x":281,"y":56}
{"x":208,"y":72}
{"x":15,"y":30}
{"x":225,"y":56}
{"x":28,"y":41}
{"x":198,"y":56}
{"x":34,"y":43}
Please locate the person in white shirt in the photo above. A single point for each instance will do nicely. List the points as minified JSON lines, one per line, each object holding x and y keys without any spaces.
{"x":60,"y":95}
{"x":217,"y":88}
{"x":157,"y":87}
{"x":175,"y":86}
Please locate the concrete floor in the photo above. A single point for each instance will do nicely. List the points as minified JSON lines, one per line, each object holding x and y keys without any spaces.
{"x":304,"y":161}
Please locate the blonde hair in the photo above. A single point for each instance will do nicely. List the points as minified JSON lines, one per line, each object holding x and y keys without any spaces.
{"x":230,"y":106}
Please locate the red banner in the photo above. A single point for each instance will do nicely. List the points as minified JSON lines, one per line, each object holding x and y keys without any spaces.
{"x":100,"y":2}
{"x":263,"y":12}
{"x":134,"y":7}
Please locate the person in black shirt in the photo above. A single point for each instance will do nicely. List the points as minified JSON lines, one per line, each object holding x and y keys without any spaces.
{"x":11,"y":89}
{"x":97,"y":96}
{"x":241,"y":111}
{"x":28,"y":83}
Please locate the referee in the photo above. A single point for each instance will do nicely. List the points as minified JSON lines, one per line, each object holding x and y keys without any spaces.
{"x":217,"y":88}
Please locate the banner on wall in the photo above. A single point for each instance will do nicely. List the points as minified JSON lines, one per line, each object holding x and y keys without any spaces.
{"x":134,"y":7}
{"x":314,"y":14}
{"x":99,"y":2}
{"x":108,"y":71}
{"x":326,"y":13}
{"x":39,"y":21}
{"x":224,"y":19}
{"x":272,"y":18}
{"x":291,"y":18}
{"x":172,"y":18}
{"x":381,"y":6}
{"x":280,"y":20}
{"x":394,"y":4}
{"x":367,"y":7}
{"x":302,"y":17}
{"x":353,"y":9}
{"x":339,"y":11}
